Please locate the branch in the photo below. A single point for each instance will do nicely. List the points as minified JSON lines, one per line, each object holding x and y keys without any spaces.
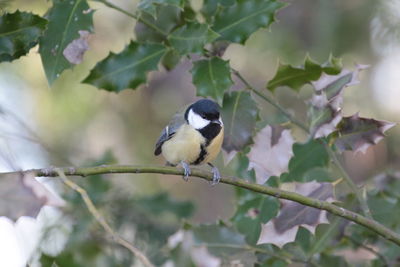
{"x":349,"y":181}
{"x":266,"y":190}
{"x":96,"y":214}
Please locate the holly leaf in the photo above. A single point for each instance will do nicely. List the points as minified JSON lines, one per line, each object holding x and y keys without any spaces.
{"x":325,"y":105}
{"x":250,"y":214}
{"x":66,"y":19}
{"x":170,"y":59}
{"x":284,"y":227}
{"x":306,"y":157}
{"x":191,"y":37}
{"x":239,"y":114}
{"x":212,"y":77}
{"x":23,"y":195}
{"x":127,"y":69}
{"x":156,"y":29}
{"x":297,"y":77}
{"x":19,"y":32}
{"x":210,"y":7}
{"x":151,"y":6}
{"x":358,"y":134}
{"x":270,"y":153}
{"x":237,"y":22}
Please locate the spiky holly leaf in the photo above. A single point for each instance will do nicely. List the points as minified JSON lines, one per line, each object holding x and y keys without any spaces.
{"x":306,"y":157}
{"x":66,"y":19}
{"x":239,"y":114}
{"x":283,"y":229}
{"x":296,"y":77}
{"x":237,"y":22}
{"x":151,"y":6}
{"x":127,"y":69}
{"x":251,"y":213}
{"x":19,"y":32}
{"x":212,"y":77}
{"x":156,"y":29}
{"x":23,"y":195}
{"x":270,"y":153}
{"x":170,"y":59}
{"x":358,"y":134}
{"x":191,"y":37}
{"x":210,"y":7}
{"x":325,"y":111}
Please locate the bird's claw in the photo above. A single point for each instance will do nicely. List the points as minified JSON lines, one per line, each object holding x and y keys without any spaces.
{"x":216,"y":176}
{"x":186,"y":170}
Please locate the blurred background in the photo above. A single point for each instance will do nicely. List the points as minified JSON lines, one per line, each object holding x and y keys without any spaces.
{"x":78,"y":124}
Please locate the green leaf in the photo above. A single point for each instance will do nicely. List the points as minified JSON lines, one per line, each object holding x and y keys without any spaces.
{"x":156,"y":29}
{"x":66,"y":19}
{"x":191,"y":37}
{"x":210,"y":7}
{"x":212,"y":77}
{"x":151,"y":6}
{"x":296,"y":77}
{"x":237,"y":22}
{"x":239,"y":114}
{"x":252,"y":213}
{"x":19,"y":32}
{"x":170,"y":59}
{"x":127,"y":69}
{"x":358,"y":134}
{"x":306,"y":157}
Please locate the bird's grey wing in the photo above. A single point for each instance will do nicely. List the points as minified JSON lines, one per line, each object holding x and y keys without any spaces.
{"x":168,"y":132}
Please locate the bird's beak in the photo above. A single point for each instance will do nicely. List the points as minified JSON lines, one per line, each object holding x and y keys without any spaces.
{"x":219,"y":121}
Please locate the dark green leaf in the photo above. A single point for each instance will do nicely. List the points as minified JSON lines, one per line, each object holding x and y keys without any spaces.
{"x":150,"y":6}
{"x":239,"y":114}
{"x":66,"y":19}
{"x":210,"y":7}
{"x":212,"y":77}
{"x":127,"y":69}
{"x":252,"y":213}
{"x":156,"y":29}
{"x":357,"y":134}
{"x":19,"y":32}
{"x":191,"y":37}
{"x":296,"y":77}
{"x":306,"y":157}
{"x":170,"y":59}
{"x":237,"y":22}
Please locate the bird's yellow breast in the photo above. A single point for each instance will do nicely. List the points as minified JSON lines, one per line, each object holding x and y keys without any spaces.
{"x":184,"y":145}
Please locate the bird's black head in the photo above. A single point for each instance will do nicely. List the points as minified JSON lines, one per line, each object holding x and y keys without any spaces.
{"x":205,"y":108}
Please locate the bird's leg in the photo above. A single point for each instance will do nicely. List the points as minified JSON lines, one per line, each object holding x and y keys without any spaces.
{"x":216,"y":174}
{"x":187,"y":172}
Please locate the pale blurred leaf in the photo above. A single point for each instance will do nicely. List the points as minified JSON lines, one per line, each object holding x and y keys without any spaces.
{"x":269,"y":157}
{"x":76,"y":49}
{"x":284,"y":227}
{"x":23,"y":195}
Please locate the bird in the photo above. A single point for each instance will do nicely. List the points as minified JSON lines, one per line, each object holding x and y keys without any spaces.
{"x":194,"y":136}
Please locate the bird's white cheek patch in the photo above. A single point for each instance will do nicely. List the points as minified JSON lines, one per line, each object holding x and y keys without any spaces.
{"x":196,"y":120}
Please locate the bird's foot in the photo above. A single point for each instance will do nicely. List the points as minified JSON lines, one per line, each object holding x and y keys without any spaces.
{"x":216,"y":175}
{"x":187,"y":171}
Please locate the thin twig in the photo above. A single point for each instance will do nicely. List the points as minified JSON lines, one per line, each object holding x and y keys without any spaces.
{"x":96,"y":214}
{"x":349,"y":181}
{"x":373,"y":225}
{"x":136,"y":17}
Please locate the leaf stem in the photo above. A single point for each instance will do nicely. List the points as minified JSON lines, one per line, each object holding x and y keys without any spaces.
{"x":266,"y":190}
{"x":136,"y":17}
{"x":100,"y":219}
{"x":270,"y":101}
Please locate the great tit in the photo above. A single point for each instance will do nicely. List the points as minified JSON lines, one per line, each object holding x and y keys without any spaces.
{"x":193,"y":137}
